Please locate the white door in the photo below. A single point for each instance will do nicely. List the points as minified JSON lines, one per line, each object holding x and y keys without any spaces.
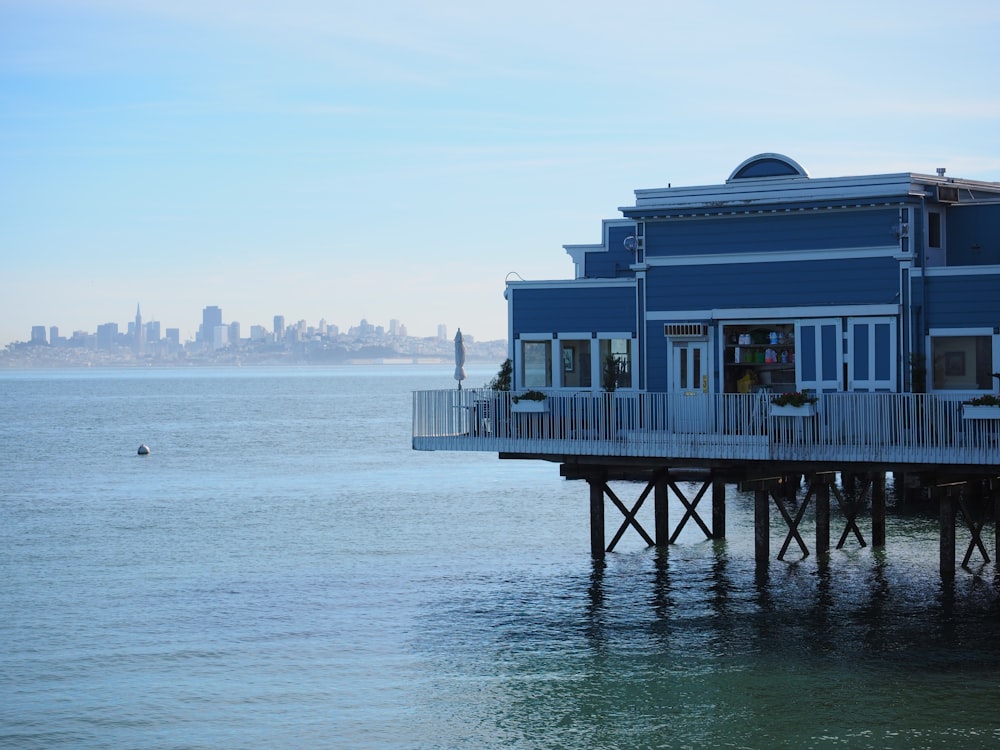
{"x":871,"y":354}
{"x":819,"y":355}
{"x":689,"y":385}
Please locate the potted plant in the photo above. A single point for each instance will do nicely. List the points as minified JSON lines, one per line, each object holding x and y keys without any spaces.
{"x":529,"y":401}
{"x":793,"y":404}
{"x":982,"y":407}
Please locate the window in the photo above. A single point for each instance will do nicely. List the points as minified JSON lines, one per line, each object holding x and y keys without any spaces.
{"x":933,"y":229}
{"x":616,"y":362}
{"x":536,"y":364}
{"x":962,"y":362}
{"x":575,"y":361}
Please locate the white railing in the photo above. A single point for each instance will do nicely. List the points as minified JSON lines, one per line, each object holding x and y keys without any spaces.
{"x":890,"y":428}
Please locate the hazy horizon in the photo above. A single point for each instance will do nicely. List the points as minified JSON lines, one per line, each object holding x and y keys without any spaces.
{"x":245,"y":327}
{"x":395,"y":160}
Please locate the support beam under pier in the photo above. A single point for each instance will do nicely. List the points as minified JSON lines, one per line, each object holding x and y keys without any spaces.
{"x":596,"y":483}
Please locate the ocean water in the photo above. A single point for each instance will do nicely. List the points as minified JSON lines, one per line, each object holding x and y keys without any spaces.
{"x":283,"y":571}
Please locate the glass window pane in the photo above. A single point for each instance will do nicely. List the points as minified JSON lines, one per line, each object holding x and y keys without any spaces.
{"x":621,"y":350}
{"x":575,"y":361}
{"x":962,"y":362}
{"x":536,"y":364}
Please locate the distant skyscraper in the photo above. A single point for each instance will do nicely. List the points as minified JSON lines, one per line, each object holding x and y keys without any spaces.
{"x":220,"y":337}
{"x":152,"y":332}
{"x":173,"y":335}
{"x":107,"y":336}
{"x":279,"y":327}
{"x":443,"y":332}
{"x":234,"y":332}
{"x":211,"y":318}
{"x":53,"y":334}
{"x":138,"y":335}
{"x":38,"y":335}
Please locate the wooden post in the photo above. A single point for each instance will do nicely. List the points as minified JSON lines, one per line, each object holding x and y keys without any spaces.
{"x":878,"y":509}
{"x":762,"y":527}
{"x":822,"y":494}
{"x":661,"y":512}
{"x":596,"y":484}
{"x":947,"y":522}
{"x":718,"y":508}
{"x":993,"y":486}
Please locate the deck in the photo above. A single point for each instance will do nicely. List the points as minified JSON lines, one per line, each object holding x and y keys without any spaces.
{"x":892,"y":431}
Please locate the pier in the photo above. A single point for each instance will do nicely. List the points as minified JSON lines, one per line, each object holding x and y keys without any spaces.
{"x":789,"y":460}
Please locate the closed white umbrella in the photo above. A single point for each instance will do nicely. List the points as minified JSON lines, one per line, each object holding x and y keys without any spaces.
{"x":459,"y":358}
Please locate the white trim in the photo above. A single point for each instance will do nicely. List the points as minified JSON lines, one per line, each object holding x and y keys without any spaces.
{"x":678,"y":315}
{"x":736,"y":314}
{"x":746,"y":194}
{"x":571,"y":283}
{"x":980,"y":331}
{"x":776,"y":256}
{"x":957,"y":271}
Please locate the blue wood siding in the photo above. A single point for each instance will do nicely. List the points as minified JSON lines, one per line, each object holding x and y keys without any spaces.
{"x":971,"y":300}
{"x":615,"y":261}
{"x":815,"y":282}
{"x":585,"y":308}
{"x":973,"y":235}
{"x":655,"y":352}
{"x":754,"y":234}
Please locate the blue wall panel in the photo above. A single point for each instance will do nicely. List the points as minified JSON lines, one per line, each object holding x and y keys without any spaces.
{"x":973,"y":235}
{"x":585,"y":308}
{"x":806,"y":346}
{"x":817,"y":282}
{"x":831,"y":354}
{"x":883,"y":348}
{"x":808,"y":230}
{"x":614,"y":262}
{"x":861,"y":353}
{"x":962,"y":301}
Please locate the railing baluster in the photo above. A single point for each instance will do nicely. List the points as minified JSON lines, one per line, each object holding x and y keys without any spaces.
{"x":889,"y":427}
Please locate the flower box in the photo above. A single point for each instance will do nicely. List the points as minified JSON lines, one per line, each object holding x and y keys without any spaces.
{"x":980,"y":412}
{"x":527,"y":406}
{"x":806,"y":410}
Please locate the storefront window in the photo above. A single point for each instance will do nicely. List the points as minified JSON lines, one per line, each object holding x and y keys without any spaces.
{"x":962,"y":362}
{"x":619,"y":366}
{"x":575,"y":361}
{"x":536,"y":364}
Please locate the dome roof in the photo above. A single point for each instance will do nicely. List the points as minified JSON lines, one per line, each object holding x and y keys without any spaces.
{"x":767,"y":165}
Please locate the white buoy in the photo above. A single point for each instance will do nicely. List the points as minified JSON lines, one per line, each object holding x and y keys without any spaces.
{"x":143,"y":449}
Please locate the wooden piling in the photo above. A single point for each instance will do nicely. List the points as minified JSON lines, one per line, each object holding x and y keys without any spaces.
{"x":718,"y":508}
{"x":762,"y":526}
{"x":596,"y":484}
{"x":822,"y":495}
{"x":878,"y":509}
{"x":947,"y":523}
{"x":661,"y":512}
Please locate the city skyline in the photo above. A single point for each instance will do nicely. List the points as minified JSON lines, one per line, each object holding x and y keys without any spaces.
{"x":42,"y":333}
{"x":403,"y":159}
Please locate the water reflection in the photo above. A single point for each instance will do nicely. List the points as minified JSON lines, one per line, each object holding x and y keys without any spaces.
{"x":694,"y":644}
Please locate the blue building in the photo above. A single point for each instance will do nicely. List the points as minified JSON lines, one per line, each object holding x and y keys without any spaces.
{"x":777,"y":281}
{"x":763,"y":330}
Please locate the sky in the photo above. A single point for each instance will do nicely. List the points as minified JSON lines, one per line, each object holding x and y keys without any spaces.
{"x":324,"y":159}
